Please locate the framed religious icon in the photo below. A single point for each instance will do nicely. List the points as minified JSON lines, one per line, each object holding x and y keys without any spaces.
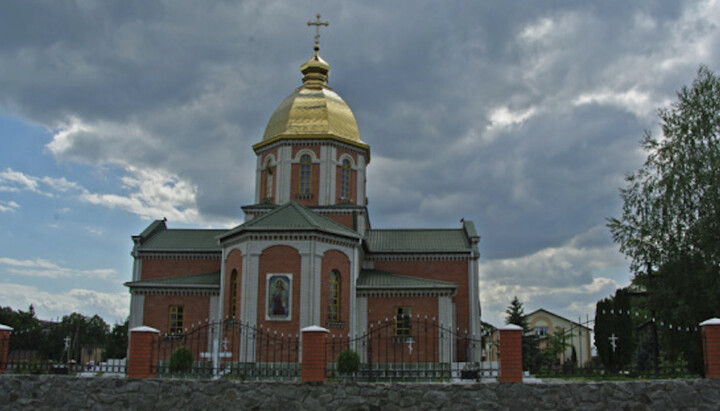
{"x":279,"y":297}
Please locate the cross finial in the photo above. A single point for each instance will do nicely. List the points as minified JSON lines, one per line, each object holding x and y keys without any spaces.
{"x":317,"y":25}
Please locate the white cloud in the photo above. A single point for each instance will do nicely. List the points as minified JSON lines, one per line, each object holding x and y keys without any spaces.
{"x":112,"y":307}
{"x":151,"y":193}
{"x":503,"y":117}
{"x":8,"y":206}
{"x":569,"y":278}
{"x":14,"y":181}
{"x":47,"y":269}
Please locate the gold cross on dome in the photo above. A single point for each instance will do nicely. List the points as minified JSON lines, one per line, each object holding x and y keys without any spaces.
{"x":317,"y":25}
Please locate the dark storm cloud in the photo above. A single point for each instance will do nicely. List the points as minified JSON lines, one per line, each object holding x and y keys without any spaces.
{"x":521,"y":116}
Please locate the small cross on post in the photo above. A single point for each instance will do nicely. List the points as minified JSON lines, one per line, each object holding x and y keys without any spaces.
{"x":613,"y":341}
{"x":317,"y":25}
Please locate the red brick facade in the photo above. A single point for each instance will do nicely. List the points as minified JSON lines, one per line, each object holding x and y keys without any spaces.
{"x":157,"y":315}
{"x":279,"y":260}
{"x":168,"y":267}
{"x":454,"y":271}
{"x":335,"y":260}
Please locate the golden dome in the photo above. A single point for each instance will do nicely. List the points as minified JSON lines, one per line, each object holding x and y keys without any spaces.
{"x":313,"y":111}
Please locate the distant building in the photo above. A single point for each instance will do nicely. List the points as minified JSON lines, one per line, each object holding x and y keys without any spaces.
{"x":545,"y":324}
{"x":306,"y":254}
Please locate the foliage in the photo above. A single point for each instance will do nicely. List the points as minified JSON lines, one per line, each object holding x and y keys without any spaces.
{"x":116,"y":341}
{"x":348,"y":361}
{"x":181,"y":360}
{"x":516,"y":316}
{"x":610,"y":325}
{"x":48,"y":339}
{"x":670,"y":223}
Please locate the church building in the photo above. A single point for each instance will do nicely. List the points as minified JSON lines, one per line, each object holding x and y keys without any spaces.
{"x":307,"y":254}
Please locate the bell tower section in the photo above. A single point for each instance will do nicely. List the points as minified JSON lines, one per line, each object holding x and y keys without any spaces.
{"x":311,"y":152}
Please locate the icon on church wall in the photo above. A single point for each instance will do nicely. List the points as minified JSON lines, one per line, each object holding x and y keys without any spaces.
{"x":279,"y":293}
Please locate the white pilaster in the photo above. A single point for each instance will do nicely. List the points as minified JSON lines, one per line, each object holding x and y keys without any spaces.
{"x":445,"y":318}
{"x":284,"y":174}
{"x":360,"y":183}
{"x":360,"y":314}
{"x":137,"y":309}
{"x":258,"y":178}
{"x":306,"y":288}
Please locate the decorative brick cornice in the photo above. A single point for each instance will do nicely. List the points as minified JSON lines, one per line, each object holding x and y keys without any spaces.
{"x":144,"y":290}
{"x":405,"y":293}
{"x":181,"y":255}
{"x":418,"y":256}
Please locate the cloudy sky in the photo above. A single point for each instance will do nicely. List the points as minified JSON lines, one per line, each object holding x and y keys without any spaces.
{"x":522,"y":116}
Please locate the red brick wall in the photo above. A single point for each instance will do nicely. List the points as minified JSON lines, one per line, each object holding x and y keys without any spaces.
{"x":387,"y":349}
{"x":279,"y":259}
{"x":711,"y":350}
{"x":450,"y":271}
{"x":234,"y":262}
{"x":154,"y":268}
{"x":353,"y":177}
{"x":156,"y":311}
{"x":143,"y":354}
{"x":335,"y":260}
{"x":314,"y":361}
{"x":4,"y":349}
{"x":344,"y":219}
{"x":510,"y":355}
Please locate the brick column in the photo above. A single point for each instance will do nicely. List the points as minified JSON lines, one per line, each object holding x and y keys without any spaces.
{"x":143,"y":352}
{"x":711,"y":347}
{"x":4,"y":346}
{"x":314,"y":362}
{"x":511,"y":353}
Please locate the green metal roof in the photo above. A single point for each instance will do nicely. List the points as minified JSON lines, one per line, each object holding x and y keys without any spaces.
{"x":290,"y":217}
{"x":418,"y":240}
{"x":377,"y":279}
{"x":209,"y":280}
{"x":183,"y":239}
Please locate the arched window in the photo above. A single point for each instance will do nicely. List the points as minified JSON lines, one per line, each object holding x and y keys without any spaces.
{"x":345,"y":180}
{"x":305,"y":174}
{"x":233,"y":293}
{"x":334,"y":296}
{"x":268,"y":180}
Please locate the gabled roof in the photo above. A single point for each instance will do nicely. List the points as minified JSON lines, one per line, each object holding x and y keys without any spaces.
{"x":418,"y":240}
{"x":292,"y":217}
{"x":542,"y":310}
{"x":207,"y":281}
{"x":182,"y":240}
{"x":377,"y":279}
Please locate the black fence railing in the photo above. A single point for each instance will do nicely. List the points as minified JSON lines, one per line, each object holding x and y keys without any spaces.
{"x":410,"y":349}
{"x":229,"y":349}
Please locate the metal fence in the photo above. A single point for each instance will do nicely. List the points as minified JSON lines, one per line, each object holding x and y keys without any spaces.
{"x":416,"y":350}
{"x":51,"y":349}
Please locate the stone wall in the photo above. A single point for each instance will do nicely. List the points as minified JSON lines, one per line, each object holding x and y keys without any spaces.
{"x":53,"y":392}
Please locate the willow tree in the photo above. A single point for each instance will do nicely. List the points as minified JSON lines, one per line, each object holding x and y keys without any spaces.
{"x":670,"y":223}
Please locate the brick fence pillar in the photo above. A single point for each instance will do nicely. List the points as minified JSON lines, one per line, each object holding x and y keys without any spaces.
{"x":711,"y":347}
{"x":143,"y":352}
{"x":4,"y":346}
{"x":511,"y":353}
{"x":314,"y":362}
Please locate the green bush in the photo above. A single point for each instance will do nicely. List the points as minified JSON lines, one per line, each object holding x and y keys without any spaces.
{"x":181,"y":360}
{"x":348,"y":361}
